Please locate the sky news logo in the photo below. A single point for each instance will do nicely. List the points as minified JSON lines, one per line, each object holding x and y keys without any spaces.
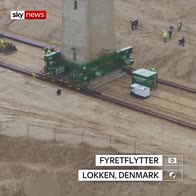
{"x":28,"y":15}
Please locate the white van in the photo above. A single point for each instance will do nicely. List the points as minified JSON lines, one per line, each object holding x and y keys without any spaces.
{"x":139,"y":90}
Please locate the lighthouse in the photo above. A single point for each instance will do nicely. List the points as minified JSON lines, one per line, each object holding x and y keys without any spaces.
{"x":88,"y":29}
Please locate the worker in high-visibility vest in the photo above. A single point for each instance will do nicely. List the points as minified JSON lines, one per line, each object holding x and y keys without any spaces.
{"x":49,"y":51}
{"x":3,"y":43}
{"x":165,"y":35}
{"x":152,"y":69}
{"x":34,"y":76}
{"x":179,"y":25}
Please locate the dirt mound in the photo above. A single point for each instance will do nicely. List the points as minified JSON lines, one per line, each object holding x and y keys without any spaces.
{"x":55,"y":154}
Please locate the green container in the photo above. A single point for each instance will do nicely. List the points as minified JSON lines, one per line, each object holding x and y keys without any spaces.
{"x":54,"y":57}
{"x":145,"y":77}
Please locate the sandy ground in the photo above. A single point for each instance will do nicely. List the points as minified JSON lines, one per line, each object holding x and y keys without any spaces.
{"x":26,"y":57}
{"x":35,"y":168}
{"x":69,"y":114}
{"x":52,"y":172}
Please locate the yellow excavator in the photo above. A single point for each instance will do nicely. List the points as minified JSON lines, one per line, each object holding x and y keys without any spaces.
{"x":5,"y":46}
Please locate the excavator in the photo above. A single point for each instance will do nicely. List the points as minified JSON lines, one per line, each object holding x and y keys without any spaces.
{"x":5,"y":46}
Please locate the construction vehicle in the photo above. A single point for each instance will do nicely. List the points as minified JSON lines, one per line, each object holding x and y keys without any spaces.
{"x":5,"y":46}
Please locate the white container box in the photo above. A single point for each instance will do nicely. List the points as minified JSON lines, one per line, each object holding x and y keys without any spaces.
{"x":139,"y":90}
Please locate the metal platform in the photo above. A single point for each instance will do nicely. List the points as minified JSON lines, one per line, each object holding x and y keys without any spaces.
{"x":107,"y":78}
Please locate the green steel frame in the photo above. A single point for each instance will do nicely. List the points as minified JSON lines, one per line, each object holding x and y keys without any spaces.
{"x":82,"y":73}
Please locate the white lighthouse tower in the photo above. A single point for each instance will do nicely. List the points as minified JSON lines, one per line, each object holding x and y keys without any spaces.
{"x":88,"y":29}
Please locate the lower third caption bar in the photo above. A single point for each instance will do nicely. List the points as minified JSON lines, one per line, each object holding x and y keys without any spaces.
{"x":120,"y":175}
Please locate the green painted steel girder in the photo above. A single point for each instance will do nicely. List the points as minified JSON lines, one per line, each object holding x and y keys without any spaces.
{"x":84,"y":72}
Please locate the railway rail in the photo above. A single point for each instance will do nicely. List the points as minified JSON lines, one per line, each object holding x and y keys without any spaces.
{"x":41,"y":45}
{"x":96,"y":94}
{"x":92,"y":92}
{"x":145,"y":111}
{"x":169,"y":83}
{"x":25,"y":40}
{"x":41,"y":76}
{"x":179,"y":86}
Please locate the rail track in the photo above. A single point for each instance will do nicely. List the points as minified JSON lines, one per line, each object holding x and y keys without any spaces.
{"x":145,"y":111}
{"x":25,"y":40}
{"x":172,"y":84}
{"x":94,"y":93}
{"x":41,"y":45}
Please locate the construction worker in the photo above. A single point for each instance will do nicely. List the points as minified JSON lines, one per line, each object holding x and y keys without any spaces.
{"x":132,"y":24}
{"x":3,"y":43}
{"x":165,"y":35}
{"x":45,"y":51}
{"x":152,"y":69}
{"x":179,"y":25}
{"x":171,"y":28}
{"x":181,"y":41}
{"x":34,"y":76}
{"x":170,"y":33}
{"x":49,"y":51}
{"x":136,"y":23}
